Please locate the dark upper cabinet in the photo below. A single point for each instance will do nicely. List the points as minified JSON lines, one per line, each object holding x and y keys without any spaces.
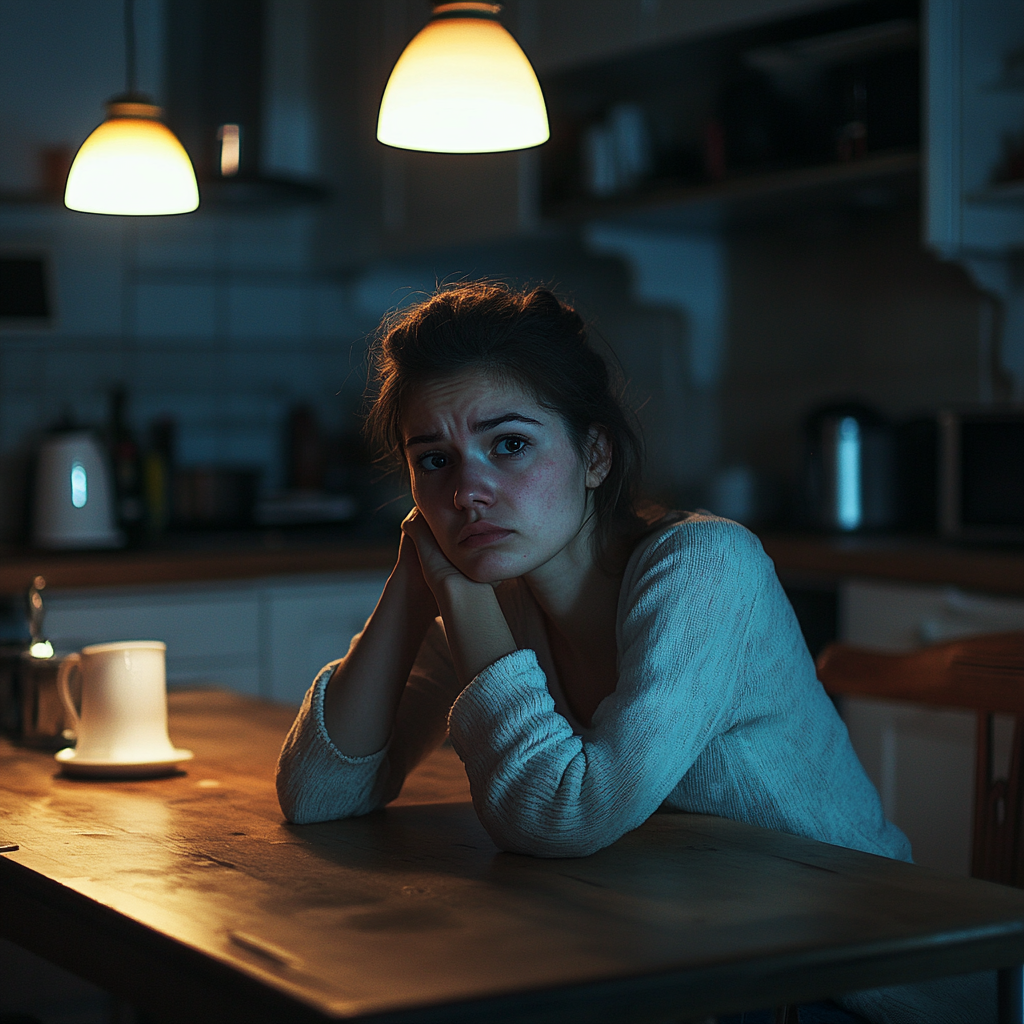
{"x":741,"y":117}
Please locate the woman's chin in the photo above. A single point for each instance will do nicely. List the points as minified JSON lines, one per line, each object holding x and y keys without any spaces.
{"x":487,"y":568}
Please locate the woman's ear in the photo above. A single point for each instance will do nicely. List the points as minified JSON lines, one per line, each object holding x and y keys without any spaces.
{"x":599,"y":458}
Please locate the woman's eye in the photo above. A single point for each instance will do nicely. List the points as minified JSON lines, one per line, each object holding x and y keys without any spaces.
{"x":511,"y":445}
{"x":432,"y":460}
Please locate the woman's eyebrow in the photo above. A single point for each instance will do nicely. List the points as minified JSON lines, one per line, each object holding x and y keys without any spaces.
{"x":480,"y":427}
{"x":422,"y":439}
{"x":510,"y":417}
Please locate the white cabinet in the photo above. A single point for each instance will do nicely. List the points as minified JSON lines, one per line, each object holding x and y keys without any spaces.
{"x":263,"y":637}
{"x":310,"y":623}
{"x":900,"y":617}
{"x":211,"y":632}
{"x":922,"y":760}
{"x":975,"y":109}
{"x":975,"y":117}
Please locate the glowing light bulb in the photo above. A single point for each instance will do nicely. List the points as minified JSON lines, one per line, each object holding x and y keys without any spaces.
{"x":463,"y":85}
{"x":230,"y":149}
{"x":41,"y":649}
{"x":132,"y":164}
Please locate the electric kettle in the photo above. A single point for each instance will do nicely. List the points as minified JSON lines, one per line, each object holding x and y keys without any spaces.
{"x":73,"y":498}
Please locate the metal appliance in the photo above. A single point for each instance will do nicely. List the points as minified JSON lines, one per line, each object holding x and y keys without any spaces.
{"x":981,"y":474}
{"x":849,"y":480}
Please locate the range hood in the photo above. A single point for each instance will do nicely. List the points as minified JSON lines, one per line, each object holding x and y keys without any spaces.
{"x":216,"y":63}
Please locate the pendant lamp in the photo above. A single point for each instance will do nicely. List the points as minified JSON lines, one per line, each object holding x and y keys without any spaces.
{"x":132,"y":163}
{"x":463,"y":85}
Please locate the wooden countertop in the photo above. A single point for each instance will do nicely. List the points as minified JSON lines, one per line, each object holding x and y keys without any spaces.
{"x":815,"y":559}
{"x":899,"y":559}
{"x":234,"y":559}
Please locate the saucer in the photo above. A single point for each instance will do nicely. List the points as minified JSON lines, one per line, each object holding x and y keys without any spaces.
{"x":101,"y":768}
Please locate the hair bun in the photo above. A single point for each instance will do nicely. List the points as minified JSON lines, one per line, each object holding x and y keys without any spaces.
{"x":545,"y":303}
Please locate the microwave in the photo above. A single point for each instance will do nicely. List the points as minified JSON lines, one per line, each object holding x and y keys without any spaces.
{"x":981,"y":474}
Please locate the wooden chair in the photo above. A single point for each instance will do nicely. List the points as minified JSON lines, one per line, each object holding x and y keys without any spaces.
{"x":984,"y":674}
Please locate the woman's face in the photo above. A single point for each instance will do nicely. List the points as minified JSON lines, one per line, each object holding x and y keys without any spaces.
{"x":495,"y":475}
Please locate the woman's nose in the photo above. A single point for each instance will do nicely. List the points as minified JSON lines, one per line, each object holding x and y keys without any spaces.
{"x":473,"y":490}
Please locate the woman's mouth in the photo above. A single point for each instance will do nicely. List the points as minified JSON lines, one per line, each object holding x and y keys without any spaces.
{"x":480,"y":534}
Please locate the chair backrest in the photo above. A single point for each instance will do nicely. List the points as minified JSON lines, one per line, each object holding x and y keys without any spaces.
{"x":984,"y":674}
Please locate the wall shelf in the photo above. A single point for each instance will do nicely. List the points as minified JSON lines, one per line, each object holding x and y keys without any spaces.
{"x":878,"y":181}
{"x":820,"y":109}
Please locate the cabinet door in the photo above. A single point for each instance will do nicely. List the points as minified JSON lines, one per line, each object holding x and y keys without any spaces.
{"x":312,"y":622}
{"x":211,"y":632}
{"x":975,"y":115}
{"x":922,"y":760}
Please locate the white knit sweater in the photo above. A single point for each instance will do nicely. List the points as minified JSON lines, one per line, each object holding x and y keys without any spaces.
{"x":717,"y":710}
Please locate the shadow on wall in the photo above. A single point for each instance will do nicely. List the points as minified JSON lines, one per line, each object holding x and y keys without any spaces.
{"x":651,"y":340}
{"x":842,"y":307}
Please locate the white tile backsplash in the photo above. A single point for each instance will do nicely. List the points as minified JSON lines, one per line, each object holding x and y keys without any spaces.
{"x":88,"y":292}
{"x":175,"y":311}
{"x":270,"y":240}
{"x":268,"y":311}
{"x":191,"y":242}
{"x":247,"y":446}
{"x":331,"y":312}
{"x":212,"y":319}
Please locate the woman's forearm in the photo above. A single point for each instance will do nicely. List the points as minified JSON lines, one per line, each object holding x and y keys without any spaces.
{"x":362,"y":697}
{"x":475,"y":626}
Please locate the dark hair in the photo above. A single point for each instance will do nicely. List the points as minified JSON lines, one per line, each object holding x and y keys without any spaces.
{"x":528,"y":338}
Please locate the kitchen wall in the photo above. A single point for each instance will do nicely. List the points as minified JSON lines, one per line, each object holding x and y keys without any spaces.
{"x":827,"y":308}
{"x":218,"y":318}
{"x":226,"y":317}
{"x":214,"y":319}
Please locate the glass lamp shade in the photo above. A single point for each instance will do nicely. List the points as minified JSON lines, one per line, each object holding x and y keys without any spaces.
{"x":132,"y":164}
{"x":463,"y":85}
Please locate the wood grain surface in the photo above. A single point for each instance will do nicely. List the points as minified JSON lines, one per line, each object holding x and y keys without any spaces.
{"x":183,"y":565}
{"x":797,"y":557}
{"x":995,"y":570}
{"x":191,"y":897}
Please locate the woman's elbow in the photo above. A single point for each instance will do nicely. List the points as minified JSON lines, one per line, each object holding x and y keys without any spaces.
{"x":551,"y":839}
{"x":306,"y":801}
{"x":295,"y":809}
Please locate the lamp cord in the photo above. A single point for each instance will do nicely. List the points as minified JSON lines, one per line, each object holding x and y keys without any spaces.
{"x":129,"y":46}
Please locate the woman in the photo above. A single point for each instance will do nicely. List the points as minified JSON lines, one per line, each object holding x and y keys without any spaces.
{"x":588,"y":665}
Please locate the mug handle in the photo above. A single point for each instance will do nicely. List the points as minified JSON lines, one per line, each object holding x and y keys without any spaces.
{"x":63,"y":673}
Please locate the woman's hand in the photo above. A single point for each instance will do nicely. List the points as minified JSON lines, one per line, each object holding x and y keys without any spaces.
{"x":434,"y":565}
{"x":474,"y":625}
{"x":408,"y":573}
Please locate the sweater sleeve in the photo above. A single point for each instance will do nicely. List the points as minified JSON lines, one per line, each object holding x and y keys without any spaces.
{"x":539,"y":788}
{"x":317,"y":782}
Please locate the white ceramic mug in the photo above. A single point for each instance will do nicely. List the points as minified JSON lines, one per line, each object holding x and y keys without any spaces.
{"x":124,"y":702}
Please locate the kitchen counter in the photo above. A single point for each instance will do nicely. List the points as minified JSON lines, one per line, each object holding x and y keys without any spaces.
{"x":214,"y":557}
{"x":196,"y":558}
{"x":825,"y":560}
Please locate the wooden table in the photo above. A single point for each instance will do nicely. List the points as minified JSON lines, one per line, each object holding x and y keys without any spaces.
{"x":191,"y":898}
